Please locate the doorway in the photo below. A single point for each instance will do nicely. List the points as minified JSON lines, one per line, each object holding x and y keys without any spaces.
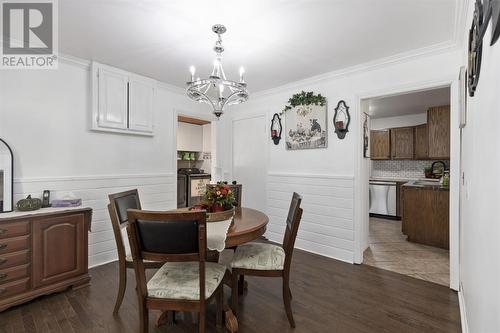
{"x":387,"y":239}
{"x":195,"y":158}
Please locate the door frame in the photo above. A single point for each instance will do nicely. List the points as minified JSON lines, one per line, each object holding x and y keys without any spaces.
{"x":361,"y":211}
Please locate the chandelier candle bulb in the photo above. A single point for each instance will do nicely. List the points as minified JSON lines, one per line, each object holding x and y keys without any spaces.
{"x":242,"y":71}
{"x":192,"y":70}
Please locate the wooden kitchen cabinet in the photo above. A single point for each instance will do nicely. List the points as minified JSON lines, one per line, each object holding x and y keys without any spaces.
{"x":421,"y":142}
{"x":380,"y":144}
{"x":438,"y":128}
{"x":42,"y":253}
{"x":402,"y":143}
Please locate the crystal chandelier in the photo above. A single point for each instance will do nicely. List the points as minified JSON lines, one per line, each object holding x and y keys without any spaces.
{"x":216,"y":90}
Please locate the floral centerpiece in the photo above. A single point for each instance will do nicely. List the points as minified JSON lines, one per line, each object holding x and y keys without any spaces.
{"x":218,"y":198}
{"x":218,"y":201}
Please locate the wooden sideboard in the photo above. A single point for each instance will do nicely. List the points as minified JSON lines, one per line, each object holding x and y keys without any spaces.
{"x":42,"y":252}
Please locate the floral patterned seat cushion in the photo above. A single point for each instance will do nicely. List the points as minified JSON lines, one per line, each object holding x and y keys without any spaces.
{"x":180,"y":280}
{"x":259,"y":256}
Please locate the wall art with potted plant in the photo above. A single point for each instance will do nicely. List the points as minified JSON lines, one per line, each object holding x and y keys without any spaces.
{"x":306,"y":121}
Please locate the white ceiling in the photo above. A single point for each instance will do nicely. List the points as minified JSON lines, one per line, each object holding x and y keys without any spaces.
{"x":412,"y":103}
{"x":277,"y":41}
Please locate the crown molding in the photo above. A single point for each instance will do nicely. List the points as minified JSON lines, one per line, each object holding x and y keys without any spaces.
{"x":448,"y":46}
{"x":86,"y":64}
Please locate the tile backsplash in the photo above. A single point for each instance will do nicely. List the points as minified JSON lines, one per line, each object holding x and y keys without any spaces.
{"x":400,"y":168}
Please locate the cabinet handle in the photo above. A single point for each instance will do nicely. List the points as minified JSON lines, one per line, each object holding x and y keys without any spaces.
{"x":3,"y":276}
{"x":3,"y":261}
{"x":3,"y":246}
{"x":2,"y":290}
{"x":3,"y":231}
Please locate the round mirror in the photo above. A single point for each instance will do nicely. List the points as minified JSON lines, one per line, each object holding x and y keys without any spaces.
{"x":6,"y":177}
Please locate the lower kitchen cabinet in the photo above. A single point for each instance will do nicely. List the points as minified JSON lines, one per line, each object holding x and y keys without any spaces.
{"x":42,"y":253}
{"x":426,"y":215}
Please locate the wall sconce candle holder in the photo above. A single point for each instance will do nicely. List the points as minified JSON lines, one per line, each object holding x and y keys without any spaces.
{"x":276,"y":129}
{"x":341,"y":119}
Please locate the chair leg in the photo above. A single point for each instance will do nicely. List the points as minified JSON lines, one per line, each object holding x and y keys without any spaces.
{"x":234,"y":292}
{"x":201,"y":320}
{"x":286,"y":300}
{"x":220,"y":307}
{"x":241,"y":285}
{"x":122,"y":285}
{"x":143,"y":317}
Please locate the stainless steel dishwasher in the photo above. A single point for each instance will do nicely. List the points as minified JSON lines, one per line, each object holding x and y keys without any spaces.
{"x":383,"y":198}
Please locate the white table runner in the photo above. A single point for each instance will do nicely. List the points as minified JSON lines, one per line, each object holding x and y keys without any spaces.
{"x":217,"y":233}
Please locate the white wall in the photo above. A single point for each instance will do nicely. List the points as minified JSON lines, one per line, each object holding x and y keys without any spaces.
{"x":398,"y":121}
{"x":480,"y":228}
{"x":333,"y":196}
{"x":45,"y":117}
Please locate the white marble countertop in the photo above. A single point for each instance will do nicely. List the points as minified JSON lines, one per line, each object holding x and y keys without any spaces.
{"x":394,"y":179}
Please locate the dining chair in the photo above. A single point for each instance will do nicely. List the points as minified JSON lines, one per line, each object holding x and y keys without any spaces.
{"x":117,"y":208}
{"x":186,"y":282}
{"x":268,"y":260}
{"x":237,"y":192}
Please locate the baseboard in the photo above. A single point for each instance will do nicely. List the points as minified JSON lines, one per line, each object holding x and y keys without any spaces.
{"x":463,"y":312}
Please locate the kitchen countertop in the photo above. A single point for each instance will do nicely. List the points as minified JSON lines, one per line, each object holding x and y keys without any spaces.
{"x":435,"y":187}
{"x":390,"y":179}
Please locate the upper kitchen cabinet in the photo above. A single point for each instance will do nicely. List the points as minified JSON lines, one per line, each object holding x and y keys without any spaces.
{"x":380,"y":145}
{"x":402,"y":139}
{"x":421,"y":142}
{"x":189,"y":137}
{"x":438,"y":128}
{"x":122,"y":102}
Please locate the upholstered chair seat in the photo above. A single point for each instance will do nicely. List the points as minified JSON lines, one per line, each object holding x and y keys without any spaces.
{"x":259,"y":256}
{"x":181,"y":280}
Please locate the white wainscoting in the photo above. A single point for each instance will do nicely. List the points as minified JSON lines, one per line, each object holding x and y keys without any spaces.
{"x":156,"y":191}
{"x":327,"y":226}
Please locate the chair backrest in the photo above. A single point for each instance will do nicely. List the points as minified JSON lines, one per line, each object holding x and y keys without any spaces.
{"x":292,"y":227}
{"x":117,"y":208}
{"x":167,"y":237}
{"x":237,"y":191}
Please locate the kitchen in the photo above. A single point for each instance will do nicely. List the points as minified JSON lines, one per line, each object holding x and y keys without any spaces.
{"x":194,"y":159}
{"x":409,"y":149}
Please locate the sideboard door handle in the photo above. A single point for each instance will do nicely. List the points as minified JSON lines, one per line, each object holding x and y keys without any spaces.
{"x":3,"y":261}
{"x":3,"y":231}
{"x":3,"y":246}
{"x":2,"y":290}
{"x":3,"y":276}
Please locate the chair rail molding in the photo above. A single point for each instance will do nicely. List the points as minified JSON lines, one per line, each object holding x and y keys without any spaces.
{"x":157,"y":191}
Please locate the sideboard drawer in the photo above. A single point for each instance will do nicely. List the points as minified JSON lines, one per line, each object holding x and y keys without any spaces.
{"x":14,"y":229}
{"x":14,"y":259}
{"x":8,"y":245}
{"x":14,"y":288}
{"x":14,"y":273}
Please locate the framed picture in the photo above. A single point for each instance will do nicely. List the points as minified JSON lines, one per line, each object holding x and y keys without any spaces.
{"x":366,"y":135}
{"x":462,"y":81}
{"x":306,"y":127}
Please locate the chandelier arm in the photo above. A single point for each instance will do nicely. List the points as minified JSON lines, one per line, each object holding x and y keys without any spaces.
{"x":229,"y":99}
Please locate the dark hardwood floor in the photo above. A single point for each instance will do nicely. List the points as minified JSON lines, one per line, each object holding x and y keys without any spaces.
{"x":328,"y":296}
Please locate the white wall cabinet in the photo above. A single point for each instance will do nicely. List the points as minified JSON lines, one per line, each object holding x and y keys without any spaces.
{"x":122,"y":102}
{"x":189,"y":137}
{"x":141,"y":102}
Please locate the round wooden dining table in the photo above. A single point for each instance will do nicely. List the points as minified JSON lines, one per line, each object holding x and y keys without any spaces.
{"x":248,"y":225}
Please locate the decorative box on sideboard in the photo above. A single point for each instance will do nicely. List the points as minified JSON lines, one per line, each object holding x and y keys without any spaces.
{"x":42,"y":252}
